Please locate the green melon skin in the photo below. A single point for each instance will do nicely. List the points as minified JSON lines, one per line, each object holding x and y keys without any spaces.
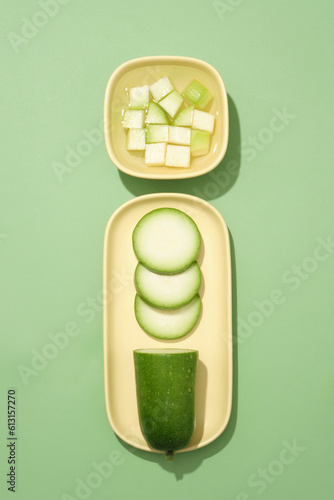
{"x":197,"y":94}
{"x":165,"y":384}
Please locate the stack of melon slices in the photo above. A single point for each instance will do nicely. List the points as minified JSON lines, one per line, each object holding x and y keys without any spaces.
{"x":169,"y":134}
{"x":166,"y":242}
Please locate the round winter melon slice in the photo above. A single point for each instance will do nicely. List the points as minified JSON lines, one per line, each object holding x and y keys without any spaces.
{"x":166,"y":240}
{"x":168,"y":291}
{"x":167,"y":323}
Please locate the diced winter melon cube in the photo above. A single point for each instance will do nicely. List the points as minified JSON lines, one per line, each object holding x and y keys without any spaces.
{"x":200,"y":142}
{"x":133,"y":118}
{"x":136,"y":139}
{"x":157,"y":133}
{"x":172,"y":103}
{"x":155,"y":114}
{"x":177,"y":156}
{"x":155,"y":154}
{"x":179,"y":135}
{"x":161,"y":88}
{"x":203,"y":121}
{"x":185,"y":117}
{"x":139,"y":97}
{"x":197,"y":94}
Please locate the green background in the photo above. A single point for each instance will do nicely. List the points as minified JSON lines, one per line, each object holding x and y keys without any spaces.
{"x":274,"y":57}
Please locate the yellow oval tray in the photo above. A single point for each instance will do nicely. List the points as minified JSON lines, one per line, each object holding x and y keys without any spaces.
{"x":212,"y":336}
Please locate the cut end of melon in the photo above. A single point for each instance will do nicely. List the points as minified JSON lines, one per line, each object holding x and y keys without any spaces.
{"x":165,"y":350}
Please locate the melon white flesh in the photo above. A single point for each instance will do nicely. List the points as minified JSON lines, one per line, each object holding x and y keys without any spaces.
{"x":139,"y":97}
{"x":200,"y":142}
{"x":155,"y":114}
{"x":172,"y":103}
{"x":168,"y":291}
{"x":157,"y":133}
{"x":179,"y":135}
{"x":178,"y":156}
{"x":185,"y":117}
{"x":161,"y":88}
{"x":155,"y":154}
{"x":203,"y":121}
{"x":166,"y":240}
{"x":167,"y":324}
{"x":133,"y":118}
{"x":136,"y":139}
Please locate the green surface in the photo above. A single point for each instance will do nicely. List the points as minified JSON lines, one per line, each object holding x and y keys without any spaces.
{"x":166,"y":403}
{"x":275,"y":193}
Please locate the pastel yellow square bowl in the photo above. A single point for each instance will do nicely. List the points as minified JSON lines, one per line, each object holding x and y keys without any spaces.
{"x":146,"y":71}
